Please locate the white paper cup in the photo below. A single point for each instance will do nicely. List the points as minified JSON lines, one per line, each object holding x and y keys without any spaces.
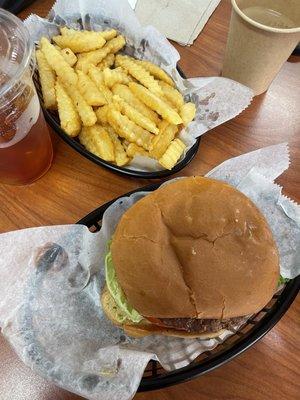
{"x":259,"y":43}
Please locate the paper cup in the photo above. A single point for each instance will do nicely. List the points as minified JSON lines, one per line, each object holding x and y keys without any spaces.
{"x":262,"y":35}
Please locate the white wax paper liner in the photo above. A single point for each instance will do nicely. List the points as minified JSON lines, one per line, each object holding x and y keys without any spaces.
{"x":51,"y":279}
{"x":217,"y":99}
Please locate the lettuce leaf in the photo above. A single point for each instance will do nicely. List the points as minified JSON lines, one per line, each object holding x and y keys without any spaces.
{"x":127,"y":311}
{"x":282,"y":280}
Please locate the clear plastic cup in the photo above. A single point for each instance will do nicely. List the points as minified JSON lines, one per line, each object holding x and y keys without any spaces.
{"x":25,"y":144}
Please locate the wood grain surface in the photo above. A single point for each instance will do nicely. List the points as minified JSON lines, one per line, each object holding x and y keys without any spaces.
{"x":74,"y":186}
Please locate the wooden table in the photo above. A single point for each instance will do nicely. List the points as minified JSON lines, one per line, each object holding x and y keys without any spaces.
{"x":74,"y":186}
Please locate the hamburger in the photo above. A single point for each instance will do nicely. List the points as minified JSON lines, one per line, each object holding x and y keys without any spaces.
{"x":190,"y":259}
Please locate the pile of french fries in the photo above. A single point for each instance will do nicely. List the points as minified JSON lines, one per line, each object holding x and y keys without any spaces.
{"x":118,"y":106}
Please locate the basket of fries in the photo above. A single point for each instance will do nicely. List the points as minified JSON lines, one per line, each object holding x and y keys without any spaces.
{"x":112,"y":107}
{"x":111,"y":89}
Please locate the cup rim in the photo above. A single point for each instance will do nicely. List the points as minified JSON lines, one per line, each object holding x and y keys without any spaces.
{"x":261,"y":26}
{"x":27,"y":53}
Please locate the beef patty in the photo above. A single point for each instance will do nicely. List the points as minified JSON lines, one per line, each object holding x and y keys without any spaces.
{"x":198,"y":325}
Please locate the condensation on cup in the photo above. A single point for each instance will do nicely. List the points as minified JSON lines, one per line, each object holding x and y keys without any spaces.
{"x":25,"y":144}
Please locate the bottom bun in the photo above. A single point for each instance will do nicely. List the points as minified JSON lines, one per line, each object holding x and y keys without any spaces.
{"x":145,"y":328}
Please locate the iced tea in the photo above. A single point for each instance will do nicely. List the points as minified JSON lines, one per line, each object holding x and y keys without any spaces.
{"x":25,"y":144}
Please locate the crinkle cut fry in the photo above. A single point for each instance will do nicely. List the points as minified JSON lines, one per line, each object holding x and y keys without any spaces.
{"x":139,"y":73}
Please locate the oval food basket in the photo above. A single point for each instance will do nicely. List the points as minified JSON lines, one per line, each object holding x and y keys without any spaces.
{"x":155,"y":377}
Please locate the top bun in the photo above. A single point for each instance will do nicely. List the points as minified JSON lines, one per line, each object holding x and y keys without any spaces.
{"x":198,"y":248}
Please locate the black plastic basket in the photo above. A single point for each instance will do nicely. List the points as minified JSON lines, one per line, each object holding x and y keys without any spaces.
{"x":53,"y":120}
{"x":155,"y":377}
{"x":15,"y":6}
